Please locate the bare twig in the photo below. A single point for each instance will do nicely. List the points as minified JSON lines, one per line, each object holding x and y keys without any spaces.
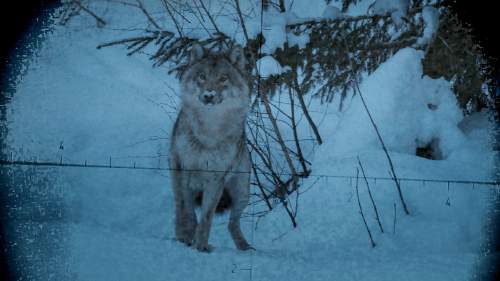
{"x":100,"y":21}
{"x":242,"y":22}
{"x":259,"y":184}
{"x":265,"y":157}
{"x":277,"y":132}
{"x":209,"y":16}
{"x":374,"y":125}
{"x":361,"y":211}
{"x":140,"y":5}
{"x":200,"y":18}
{"x":176,"y":11}
{"x":391,"y":165}
{"x":290,"y":214}
{"x":165,"y":3}
{"x":371,"y":197}
{"x":300,"y":96}
{"x":394,"y":221}
{"x":295,"y":134}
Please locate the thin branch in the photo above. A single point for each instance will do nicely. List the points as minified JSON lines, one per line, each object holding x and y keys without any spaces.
{"x":238,"y":9}
{"x":261,"y":187}
{"x":391,"y":165}
{"x":305,"y":111}
{"x":295,"y":134}
{"x":151,"y":20}
{"x":371,"y":197}
{"x":100,"y":21}
{"x":361,"y":211}
{"x":165,"y":3}
{"x":200,"y":18}
{"x":280,"y":138}
{"x":176,"y":11}
{"x":209,"y":16}
{"x":394,"y":221}
{"x":356,"y":89}
{"x":290,"y":214}
{"x":267,"y":162}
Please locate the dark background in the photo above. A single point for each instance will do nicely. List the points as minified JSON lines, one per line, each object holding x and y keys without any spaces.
{"x":16,"y":18}
{"x":483,"y":17}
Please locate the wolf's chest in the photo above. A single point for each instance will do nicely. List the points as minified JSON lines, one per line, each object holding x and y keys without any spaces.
{"x":196,"y":157}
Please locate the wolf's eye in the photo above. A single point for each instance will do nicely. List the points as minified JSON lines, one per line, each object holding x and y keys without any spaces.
{"x":202,"y":77}
{"x":223,"y":78}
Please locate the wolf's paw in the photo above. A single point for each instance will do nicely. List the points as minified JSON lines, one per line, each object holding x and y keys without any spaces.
{"x":244,"y":247}
{"x":203,"y":247}
{"x":185,"y":240}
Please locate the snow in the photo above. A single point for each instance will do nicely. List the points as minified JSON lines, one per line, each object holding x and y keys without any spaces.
{"x":118,"y":224}
{"x":305,"y":9}
{"x":405,"y":119}
{"x":274,"y":30}
{"x":268,"y":66}
{"x":300,"y":40}
{"x":332,"y":12}
{"x":397,"y":8}
{"x":431,"y":20}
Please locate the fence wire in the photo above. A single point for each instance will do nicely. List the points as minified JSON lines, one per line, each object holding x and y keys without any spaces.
{"x":110,"y":165}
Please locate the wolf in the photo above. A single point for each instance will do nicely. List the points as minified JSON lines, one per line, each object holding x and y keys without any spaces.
{"x":209,"y":160}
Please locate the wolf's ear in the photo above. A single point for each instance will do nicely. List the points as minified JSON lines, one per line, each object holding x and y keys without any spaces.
{"x":197,"y":53}
{"x":237,"y":57}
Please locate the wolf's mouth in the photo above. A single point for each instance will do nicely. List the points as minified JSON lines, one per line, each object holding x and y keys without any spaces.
{"x":210,"y":101}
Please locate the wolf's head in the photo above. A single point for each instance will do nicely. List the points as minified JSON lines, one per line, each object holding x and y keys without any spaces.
{"x":215,"y":81}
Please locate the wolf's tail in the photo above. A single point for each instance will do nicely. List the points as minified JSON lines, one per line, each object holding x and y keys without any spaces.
{"x":225,"y":201}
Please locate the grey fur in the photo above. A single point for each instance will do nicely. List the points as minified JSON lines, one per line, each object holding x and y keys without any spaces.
{"x":209,"y":134}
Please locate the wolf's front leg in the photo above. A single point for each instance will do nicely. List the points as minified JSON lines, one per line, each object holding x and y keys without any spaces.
{"x":180,"y":206}
{"x":185,"y":217}
{"x":239,"y":191}
{"x":211,"y":196}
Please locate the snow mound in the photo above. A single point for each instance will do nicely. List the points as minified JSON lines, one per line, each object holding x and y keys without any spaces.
{"x":268,"y":66}
{"x":409,"y":110}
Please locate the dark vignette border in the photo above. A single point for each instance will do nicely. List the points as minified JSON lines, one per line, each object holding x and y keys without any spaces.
{"x":482,"y":16}
{"x":23,"y":21}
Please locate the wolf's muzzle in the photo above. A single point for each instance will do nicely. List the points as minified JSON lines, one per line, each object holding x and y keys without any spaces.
{"x":210,"y":98}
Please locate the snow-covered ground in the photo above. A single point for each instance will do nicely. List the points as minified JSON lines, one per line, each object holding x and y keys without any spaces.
{"x":78,"y":103}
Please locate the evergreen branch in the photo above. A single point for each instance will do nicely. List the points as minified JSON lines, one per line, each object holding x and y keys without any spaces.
{"x":348,"y":19}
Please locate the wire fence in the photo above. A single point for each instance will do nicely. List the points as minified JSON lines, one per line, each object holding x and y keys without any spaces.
{"x":110,"y":165}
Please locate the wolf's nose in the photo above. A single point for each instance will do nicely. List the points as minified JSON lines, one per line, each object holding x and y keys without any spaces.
{"x":208,"y":96}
